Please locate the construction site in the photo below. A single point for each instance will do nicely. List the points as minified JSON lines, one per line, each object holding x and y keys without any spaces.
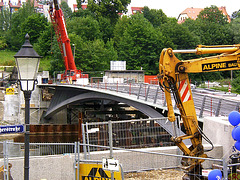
{"x":123,"y":124}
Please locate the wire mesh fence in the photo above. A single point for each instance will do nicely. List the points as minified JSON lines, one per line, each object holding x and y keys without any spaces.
{"x":144,"y":163}
{"x":142,"y":133}
{"x":15,"y":149}
{"x":139,"y":145}
{"x":153,"y":163}
{"x":162,"y":159}
{"x":158,"y":163}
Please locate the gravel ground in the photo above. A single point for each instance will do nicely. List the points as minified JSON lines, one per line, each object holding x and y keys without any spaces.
{"x":156,"y":174}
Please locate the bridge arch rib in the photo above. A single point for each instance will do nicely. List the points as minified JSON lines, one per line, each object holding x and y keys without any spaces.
{"x":147,"y":110}
{"x":64,"y":97}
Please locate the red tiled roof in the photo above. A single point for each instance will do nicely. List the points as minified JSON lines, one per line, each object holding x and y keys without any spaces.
{"x":224,"y":11}
{"x":75,"y":7}
{"x":192,"y":12}
{"x":20,"y":4}
{"x":1,"y":3}
{"x":84,"y":7}
{"x":15,"y":6}
{"x":136,"y":9}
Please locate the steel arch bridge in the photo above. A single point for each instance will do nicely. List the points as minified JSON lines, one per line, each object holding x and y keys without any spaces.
{"x":148,"y":99}
{"x":68,"y":94}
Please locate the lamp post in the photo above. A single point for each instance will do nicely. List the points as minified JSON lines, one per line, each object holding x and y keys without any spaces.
{"x":73,"y":51}
{"x":27,"y":61}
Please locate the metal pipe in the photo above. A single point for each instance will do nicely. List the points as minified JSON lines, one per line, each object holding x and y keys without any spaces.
{"x":210,"y":50}
{"x":78,"y":165}
{"x":110,"y":138}
{"x":185,"y":51}
{"x":157,"y":153}
{"x":110,"y":144}
{"x":84,"y":142}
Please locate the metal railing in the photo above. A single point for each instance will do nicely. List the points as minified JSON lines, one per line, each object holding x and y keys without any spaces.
{"x":205,"y":104}
{"x":15,"y":149}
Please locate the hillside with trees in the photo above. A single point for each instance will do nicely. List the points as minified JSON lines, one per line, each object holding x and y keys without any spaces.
{"x":101,"y":35}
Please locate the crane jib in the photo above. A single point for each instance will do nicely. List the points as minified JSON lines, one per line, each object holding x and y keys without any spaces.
{"x":220,"y":65}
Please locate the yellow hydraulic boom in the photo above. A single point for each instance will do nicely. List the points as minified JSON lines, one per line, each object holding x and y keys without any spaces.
{"x":173,"y":78}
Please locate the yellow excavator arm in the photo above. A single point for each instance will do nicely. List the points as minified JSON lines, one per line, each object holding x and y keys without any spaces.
{"x":173,"y":78}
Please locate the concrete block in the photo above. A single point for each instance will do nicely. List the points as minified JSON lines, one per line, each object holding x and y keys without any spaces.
{"x":47,"y":167}
{"x":219,"y":131}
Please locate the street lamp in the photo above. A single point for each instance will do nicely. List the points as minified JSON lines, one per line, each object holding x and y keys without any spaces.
{"x":27,"y":61}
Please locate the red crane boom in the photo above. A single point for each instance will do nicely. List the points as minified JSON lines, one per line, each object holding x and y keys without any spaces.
{"x":58,"y":21}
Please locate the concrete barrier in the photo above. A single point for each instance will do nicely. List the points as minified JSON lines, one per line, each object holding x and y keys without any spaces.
{"x":45,"y":167}
{"x":219,"y":131}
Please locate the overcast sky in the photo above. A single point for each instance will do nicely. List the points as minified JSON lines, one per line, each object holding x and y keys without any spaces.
{"x":172,"y":8}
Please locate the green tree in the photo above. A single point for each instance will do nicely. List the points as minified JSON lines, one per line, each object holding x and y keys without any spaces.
{"x":236,"y":84}
{"x":4,"y":20}
{"x":211,"y":29}
{"x":34,"y":25}
{"x":108,"y":8}
{"x":93,"y":55}
{"x":120,"y":27}
{"x":106,"y":29}
{"x":86,"y":27}
{"x":235,"y":14}
{"x":212,"y":15}
{"x":14,"y":35}
{"x":179,"y":35}
{"x":79,"y":4}
{"x":235,"y":26}
{"x":140,"y":44}
{"x":45,"y":42}
{"x":19,"y":16}
{"x":4,"y":27}
{"x":83,"y":13}
{"x":214,"y":34}
{"x":156,"y":17}
{"x":3,"y":43}
{"x":57,"y":62}
{"x":67,"y":12}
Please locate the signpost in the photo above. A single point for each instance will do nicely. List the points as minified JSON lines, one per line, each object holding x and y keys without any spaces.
{"x":9,"y":91}
{"x":110,"y":164}
{"x":11,"y":129}
{"x":6,"y":131}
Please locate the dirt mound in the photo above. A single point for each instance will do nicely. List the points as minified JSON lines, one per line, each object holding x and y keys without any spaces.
{"x":156,"y":174}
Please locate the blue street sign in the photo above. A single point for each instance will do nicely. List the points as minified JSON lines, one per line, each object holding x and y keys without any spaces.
{"x":11,"y":129}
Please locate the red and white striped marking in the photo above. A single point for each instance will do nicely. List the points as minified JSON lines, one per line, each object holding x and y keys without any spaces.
{"x":184,"y":91}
